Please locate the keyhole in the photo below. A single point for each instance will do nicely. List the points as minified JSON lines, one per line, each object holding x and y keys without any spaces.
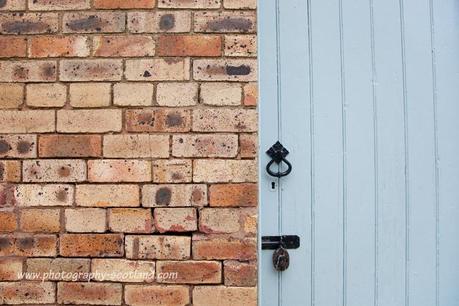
{"x":273,"y":185}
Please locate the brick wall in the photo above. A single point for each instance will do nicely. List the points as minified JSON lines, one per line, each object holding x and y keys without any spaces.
{"x":128,"y":145}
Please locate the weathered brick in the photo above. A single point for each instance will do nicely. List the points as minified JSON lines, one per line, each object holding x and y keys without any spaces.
{"x":27,"y":71}
{"x":221,"y":94}
{"x":224,"y":248}
{"x":175,"y":219}
{"x":130,"y":220}
{"x":94,"y":22}
{"x":43,"y":195}
{"x":13,"y":5}
{"x":225,"y":22}
{"x":240,"y":4}
{"x":46,"y":95}
{"x":11,"y":95}
{"x":89,"y":121}
{"x":225,"y":120}
{"x":251,"y":94}
{"x":91,"y":245}
{"x":28,"y":23}
{"x":124,"y":46}
{"x":10,"y":171}
{"x":10,"y":269}
{"x":136,"y":146}
{"x":205,"y":145}
{"x":36,"y":121}
{"x":8,"y":223}
{"x":158,"y":69}
{"x":40,"y":220}
{"x":89,"y":293}
{"x":177,"y":94}
{"x":172,"y":171}
{"x":122,"y":270}
{"x":28,"y":245}
{"x":91,"y":70}
{"x":90,"y":94}
{"x":54,"y":170}
{"x":241,"y":45}
{"x":159,"y":21}
{"x":219,"y":220}
{"x":11,"y":46}
{"x":8,"y":195}
{"x":250,"y":223}
{"x":193,"y":4}
{"x":174,"y":195}
{"x":107,"y":195}
{"x":124,"y":4}
{"x":249,"y":144}
{"x":214,"y":171}
{"x":158,"y":247}
{"x":119,"y":170}
{"x":59,"y":46}
{"x":233,"y":195}
{"x":242,"y":274}
{"x":18,"y":146}
{"x":190,"y":272}
{"x":27,"y":293}
{"x":133,"y":94}
{"x":85,"y":220}
{"x":235,"y":70}
{"x":59,"y":269}
{"x":158,"y":120}
{"x":224,"y":296}
{"x":189,"y":45}
{"x":70,"y":146}
{"x":56,"y":5}
{"x":157,"y":295}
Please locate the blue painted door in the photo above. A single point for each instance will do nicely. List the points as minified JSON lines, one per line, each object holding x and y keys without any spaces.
{"x":365,"y":96}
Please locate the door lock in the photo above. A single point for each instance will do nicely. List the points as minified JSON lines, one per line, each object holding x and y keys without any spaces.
{"x":278,"y":153}
{"x":281,"y":257}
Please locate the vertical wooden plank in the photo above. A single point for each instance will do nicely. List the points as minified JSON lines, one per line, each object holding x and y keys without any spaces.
{"x":391,"y":259}
{"x":328,"y":154}
{"x":360,"y":170}
{"x":446,"y":50}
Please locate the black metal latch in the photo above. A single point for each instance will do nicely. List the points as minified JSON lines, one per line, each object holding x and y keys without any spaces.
{"x":278,"y":153}
{"x":274,"y":242}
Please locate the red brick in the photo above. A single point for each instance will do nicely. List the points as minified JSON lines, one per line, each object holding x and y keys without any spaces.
{"x":94,"y":22}
{"x":10,"y":171}
{"x":91,"y":245}
{"x":124,"y":4}
{"x":40,"y":220}
{"x":189,"y":45}
{"x":124,"y":46}
{"x":249,"y":144}
{"x":224,"y":296}
{"x":8,"y":221}
{"x":59,"y":46}
{"x":89,"y":293}
{"x":241,"y":274}
{"x":219,"y":248}
{"x":13,"y":46}
{"x":29,"y":23}
{"x":10,"y":269}
{"x":251,"y":94}
{"x":11,"y":95}
{"x":158,"y":120}
{"x":189,"y":272}
{"x":157,"y":295}
{"x":228,"y":195}
{"x":66,"y":269}
{"x":28,"y":245}
{"x":175,"y":219}
{"x":27,"y":293}
{"x":69,"y":146}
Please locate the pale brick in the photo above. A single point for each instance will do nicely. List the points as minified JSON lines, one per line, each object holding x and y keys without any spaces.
{"x":189,"y":45}
{"x":218,"y":248}
{"x":158,"y":120}
{"x":10,"y":171}
{"x":241,"y":45}
{"x":28,"y":71}
{"x":8,"y":222}
{"x":43,"y":195}
{"x":89,"y":121}
{"x":242,"y":274}
{"x":193,"y":4}
{"x":250,"y":223}
{"x":107,"y":195}
{"x":91,"y":70}
{"x":59,"y":46}
{"x":133,"y":94}
{"x":172,"y":171}
{"x":54,"y":170}
{"x":175,"y":219}
{"x":89,"y":293}
{"x":251,"y":94}
{"x":219,"y":220}
{"x":158,"y":247}
{"x":119,"y":170}
{"x":190,"y":272}
{"x":225,"y":120}
{"x":233,"y":195}
{"x":85,"y":220}
{"x":13,"y":5}
{"x":158,"y":69}
{"x":28,"y":245}
{"x":225,"y":22}
{"x":91,"y":245}
{"x":177,"y":94}
{"x":205,"y":145}
{"x":157,"y":295}
{"x":130,"y":220}
{"x":122,"y":270}
{"x":234,"y":70}
{"x":224,"y":296}
{"x":90,"y":95}
{"x":27,"y":293}
{"x":136,"y":146}
{"x":124,"y":46}
{"x":70,"y":146}
{"x":240,"y":4}
{"x":159,"y":21}
{"x":10,"y":269}
{"x":249,"y":144}
{"x":46,"y":95}
{"x":124,"y":4}
{"x":221,"y":94}
{"x":11,"y":46}
{"x":11,"y":95}
{"x":213,"y":171}
{"x":53,"y":5}
{"x":174,"y":195}
{"x":18,"y":146}
{"x":36,"y":121}
{"x":59,"y":269}
{"x":28,"y":23}
{"x":94,"y":22}
{"x":40,"y":220}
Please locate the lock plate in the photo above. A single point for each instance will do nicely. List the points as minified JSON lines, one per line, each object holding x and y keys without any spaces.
{"x":274,"y":242}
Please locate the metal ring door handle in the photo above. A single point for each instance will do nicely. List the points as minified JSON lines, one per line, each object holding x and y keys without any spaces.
{"x":279,"y":174}
{"x":278,"y":153}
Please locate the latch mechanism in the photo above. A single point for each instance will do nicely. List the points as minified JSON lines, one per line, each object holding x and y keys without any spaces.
{"x":278,"y":153}
{"x":274,"y":242}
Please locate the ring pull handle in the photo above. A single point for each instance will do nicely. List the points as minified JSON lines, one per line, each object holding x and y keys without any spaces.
{"x":278,"y":153}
